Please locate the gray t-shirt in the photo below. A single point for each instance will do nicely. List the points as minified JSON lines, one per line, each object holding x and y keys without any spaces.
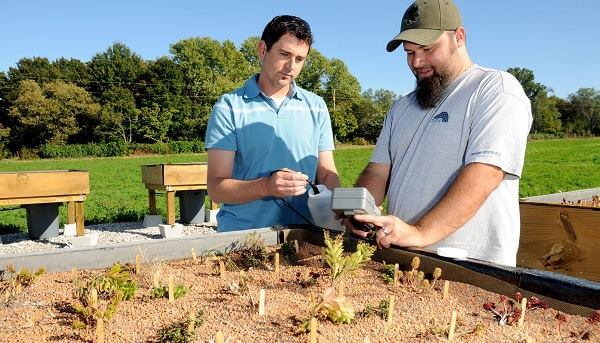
{"x":484,"y":117}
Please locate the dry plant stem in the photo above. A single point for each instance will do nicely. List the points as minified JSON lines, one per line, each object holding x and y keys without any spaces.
{"x":261,"y":302}
{"x":396,"y":270}
{"x":137,"y":264}
{"x":94,"y":302}
{"x":523,"y":308}
{"x":446,"y":288}
{"x":276,"y":262}
{"x":221,"y":269}
{"x":452,"y":326}
{"x":313,"y":330}
{"x":194,"y":257}
{"x":171,"y":290}
{"x":297,"y":247}
{"x":155,"y":278}
{"x":191,"y":322}
{"x":341,"y":288}
{"x":391,"y":308}
{"x":219,"y":337}
{"x":100,"y":330}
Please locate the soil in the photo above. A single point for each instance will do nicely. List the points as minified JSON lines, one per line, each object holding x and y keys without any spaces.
{"x":41,"y":312}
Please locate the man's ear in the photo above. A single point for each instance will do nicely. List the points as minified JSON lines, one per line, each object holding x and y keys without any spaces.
{"x":261,"y":49}
{"x":460,"y":35}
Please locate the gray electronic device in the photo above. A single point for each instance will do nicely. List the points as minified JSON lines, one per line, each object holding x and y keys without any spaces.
{"x":353,"y":200}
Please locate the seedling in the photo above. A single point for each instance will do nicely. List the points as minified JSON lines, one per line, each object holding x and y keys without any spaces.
{"x":180,"y":331}
{"x":179,"y":291}
{"x":308,"y":281}
{"x":288,"y":251}
{"x":17,"y":281}
{"x":253,"y":252}
{"x":443,"y":331}
{"x":99,"y":297}
{"x":332,"y":306}
{"x":508,"y":311}
{"x":584,"y":334}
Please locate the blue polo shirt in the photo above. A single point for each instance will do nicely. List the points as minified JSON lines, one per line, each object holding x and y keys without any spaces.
{"x":267,"y":138}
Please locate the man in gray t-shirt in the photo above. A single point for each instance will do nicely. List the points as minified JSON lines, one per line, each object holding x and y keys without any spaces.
{"x":450,"y":153}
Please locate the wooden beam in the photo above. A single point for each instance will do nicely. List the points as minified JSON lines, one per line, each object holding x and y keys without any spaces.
{"x":79,"y":222}
{"x":171,"y":208}
{"x":151,"y":201}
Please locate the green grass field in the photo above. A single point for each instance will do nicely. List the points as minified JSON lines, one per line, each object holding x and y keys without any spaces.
{"x":117,"y":193}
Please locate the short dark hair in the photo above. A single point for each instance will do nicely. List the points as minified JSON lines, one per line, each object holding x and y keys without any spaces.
{"x":283,"y":24}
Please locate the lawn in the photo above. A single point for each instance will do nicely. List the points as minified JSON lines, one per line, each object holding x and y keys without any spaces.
{"x":117,"y":193}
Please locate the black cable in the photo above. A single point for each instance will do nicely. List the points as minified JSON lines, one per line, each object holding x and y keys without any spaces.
{"x":296,"y":211}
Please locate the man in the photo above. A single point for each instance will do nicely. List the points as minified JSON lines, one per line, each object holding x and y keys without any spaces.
{"x":451,"y":152}
{"x":266,"y":139}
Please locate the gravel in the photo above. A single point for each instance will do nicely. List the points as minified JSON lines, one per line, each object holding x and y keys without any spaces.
{"x":112,"y":233}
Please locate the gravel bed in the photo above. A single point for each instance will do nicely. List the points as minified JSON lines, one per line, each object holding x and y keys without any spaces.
{"x":112,"y":233}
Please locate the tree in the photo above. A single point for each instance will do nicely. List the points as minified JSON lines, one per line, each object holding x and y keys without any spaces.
{"x":118,"y":66}
{"x":586,"y":102}
{"x":370,"y":112}
{"x":49,"y":114}
{"x":343,"y":91}
{"x":249,"y":50}
{"x":119,"y":116}
{"x":209,"y":69}
{"x":546,"y":117}
{"x":315,"y":74}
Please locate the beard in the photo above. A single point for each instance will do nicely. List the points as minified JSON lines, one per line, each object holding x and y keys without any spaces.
{"x":430,"y":90}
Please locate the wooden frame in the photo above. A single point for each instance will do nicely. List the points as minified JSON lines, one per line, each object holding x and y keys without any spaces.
{"x":43,"y":187}
{"x":560,"y":237}
{"x":171,"y":178}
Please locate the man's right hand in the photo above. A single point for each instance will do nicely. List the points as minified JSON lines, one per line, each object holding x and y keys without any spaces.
{"x":286,"y":183}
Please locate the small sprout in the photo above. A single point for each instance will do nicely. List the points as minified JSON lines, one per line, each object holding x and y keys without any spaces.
{"x":416,"y":262}
{"x":508,"y":311}
{"x":384,"y":308}
{"x":179,"y":331}
{"x":163,"y":292}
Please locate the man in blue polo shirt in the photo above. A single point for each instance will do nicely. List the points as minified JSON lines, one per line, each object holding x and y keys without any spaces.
{"x":266,"y":139}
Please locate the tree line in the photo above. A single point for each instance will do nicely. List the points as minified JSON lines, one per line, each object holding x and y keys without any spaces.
{"x":118,"y":97}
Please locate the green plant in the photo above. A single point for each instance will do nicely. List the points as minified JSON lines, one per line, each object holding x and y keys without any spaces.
{"x":435,"y":330}
{"x":17,"y":281}
{"x":99,"y":296}
{"x":253,"y":252}
{"x":384,"y":308}
{"x":341,"y":265}
{"x":163,"y":291}
{"x":331,"y":305}
{"x":180,"y":331}
{"x":387,"y":273}
{"x":288,"y":251}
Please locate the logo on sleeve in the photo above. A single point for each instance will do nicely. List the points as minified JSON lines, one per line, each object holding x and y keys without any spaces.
{"x":440,"y":118}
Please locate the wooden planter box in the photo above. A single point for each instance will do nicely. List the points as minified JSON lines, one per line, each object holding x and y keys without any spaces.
{"x":171,"y":178}
{"x":560,"y":237}
{"x":44,"y":187}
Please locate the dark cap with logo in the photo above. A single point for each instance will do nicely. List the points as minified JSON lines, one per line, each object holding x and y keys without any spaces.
{"x":425,"y":21}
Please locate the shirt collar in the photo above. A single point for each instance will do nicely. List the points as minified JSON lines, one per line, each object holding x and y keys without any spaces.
{"x":252,"y":89}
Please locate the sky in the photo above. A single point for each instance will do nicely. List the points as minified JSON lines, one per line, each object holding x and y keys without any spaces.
{"x":557,"y":39}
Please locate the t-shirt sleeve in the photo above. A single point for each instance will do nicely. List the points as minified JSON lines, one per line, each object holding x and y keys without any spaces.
{"x":220,"y":133}
{"x":326,"y":136}
{"x":382,"y":154}
{"x":501,"y":122}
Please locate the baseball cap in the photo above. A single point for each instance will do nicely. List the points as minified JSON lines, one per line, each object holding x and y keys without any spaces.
{"x":425,"y":21}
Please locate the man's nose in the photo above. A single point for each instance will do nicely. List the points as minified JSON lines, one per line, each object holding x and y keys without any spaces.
{"x":416,"y":61}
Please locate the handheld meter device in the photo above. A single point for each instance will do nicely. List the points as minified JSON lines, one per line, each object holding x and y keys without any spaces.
{"x":354,"y":200}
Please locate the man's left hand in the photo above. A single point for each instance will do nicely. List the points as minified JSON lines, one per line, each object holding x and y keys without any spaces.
{"x":391,"y":230}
